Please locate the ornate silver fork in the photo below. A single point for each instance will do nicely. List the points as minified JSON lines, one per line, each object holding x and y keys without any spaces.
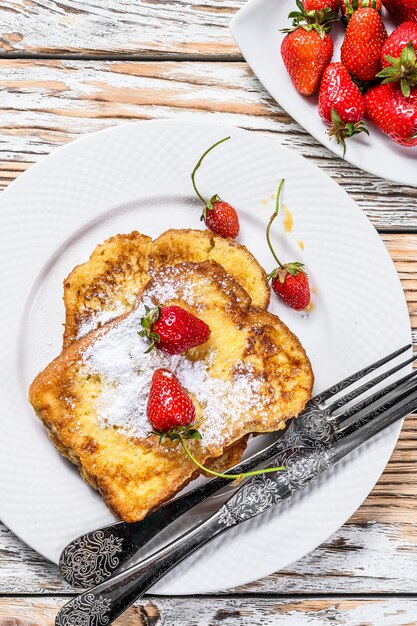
{"x":94,"y":557}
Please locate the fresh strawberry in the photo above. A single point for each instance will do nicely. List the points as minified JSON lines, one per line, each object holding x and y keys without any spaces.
{"x":173,"y":330}
{"x":171,"y":414}
{"x":219,"y":216}
{"x":341,"y":104}
{"x":289,"y":280}
{"x":393,"y":113}
{"x":350,"y":6}
{"x":402,"y":10}
{"x":305,"y":55}
{"x":364,"y":39}
{"x":319,"y":5}
{"x":169,"y":405}
{"x":292,"y":286}
{"x":307,"y":48}
{"x":399,"y":59}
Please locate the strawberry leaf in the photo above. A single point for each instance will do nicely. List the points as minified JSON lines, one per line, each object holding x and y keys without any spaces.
{"x":318,"y":20}
{"x":272,"y":274}
{"x":148,"y":320}
{"x":402,"y":69}
{"x":341,"y":130}
{"x":193,"y":433}
{"x":335,"y":117}
{"x":175,"y":433}
{"x":295,"y":268}
{"x":408,"y":55}
{"x":405,"y":87}
{"x":387,"y":72}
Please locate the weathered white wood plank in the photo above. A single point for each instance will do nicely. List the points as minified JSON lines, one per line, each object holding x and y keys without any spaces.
{"x":230,"y":612}
{"x":45,"y":104}
{"x":130,"y":27}
{"x":360,"y":558}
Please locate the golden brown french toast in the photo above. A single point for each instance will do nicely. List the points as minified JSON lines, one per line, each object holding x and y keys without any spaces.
{"x":182,"y":245}
{"x":252,"y":375}
{"x":107,"y":285}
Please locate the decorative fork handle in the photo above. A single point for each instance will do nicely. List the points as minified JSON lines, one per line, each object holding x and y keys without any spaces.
{"x":103,"y":604}
{"x":94,"y":557}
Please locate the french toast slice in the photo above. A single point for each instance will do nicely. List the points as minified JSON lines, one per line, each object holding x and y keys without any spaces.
{"x":251,"y":376}
{"x":107,"y":285}
{"x":182,"y":245}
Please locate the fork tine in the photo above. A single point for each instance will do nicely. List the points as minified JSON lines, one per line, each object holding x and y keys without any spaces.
{"x":381,"y":402}
{"x":338,"y":404}
{"x":332,"y":391}
{"x":371,"y":399}
{"x":401,"y":408}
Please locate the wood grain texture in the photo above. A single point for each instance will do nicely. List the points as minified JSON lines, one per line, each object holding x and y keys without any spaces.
{"x":230,"y":612}
{"x":370,"y":557}
{"x":45,"y":104}
{"x":122,"y":27}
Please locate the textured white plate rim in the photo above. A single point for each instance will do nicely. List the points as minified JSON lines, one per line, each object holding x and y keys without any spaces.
{"x":115,"y":130}
{"x":286,"y":100}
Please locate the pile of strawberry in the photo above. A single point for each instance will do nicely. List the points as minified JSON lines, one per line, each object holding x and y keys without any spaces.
{"x":376,"y":79}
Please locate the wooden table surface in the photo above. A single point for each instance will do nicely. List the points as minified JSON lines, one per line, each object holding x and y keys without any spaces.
{"x":70,"y":67}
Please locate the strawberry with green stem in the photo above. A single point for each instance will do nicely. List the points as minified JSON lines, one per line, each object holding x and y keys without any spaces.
{"x":341,"y":104}
{"x":393,"y":113}
{"x":364,"y":39}
{"x":289,"y":280}
{"x":172,"y":329}
{"x":219,"y":216}
{"x":399,"y":58}
{"x":350,"y":6}
{"x":308,"y":48}
{"x":171,"y":413}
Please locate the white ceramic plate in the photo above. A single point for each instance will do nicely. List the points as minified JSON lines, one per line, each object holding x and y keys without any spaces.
{"x":138,"y":177}
{"x":256,"y":30}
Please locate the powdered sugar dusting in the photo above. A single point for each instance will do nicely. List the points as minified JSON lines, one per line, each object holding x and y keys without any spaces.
{"x":165,"y":290}
{"x":118,"y":357}
{"x":173,"y":284}
{"x":101,"y":318}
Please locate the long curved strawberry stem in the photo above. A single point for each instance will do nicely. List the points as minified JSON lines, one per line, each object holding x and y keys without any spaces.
{"x":267,"y":470}
{"x":208,"y":203}
{"x":268,"y":228}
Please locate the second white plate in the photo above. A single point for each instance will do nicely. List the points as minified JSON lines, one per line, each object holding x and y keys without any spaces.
{"x":256,"y":30}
